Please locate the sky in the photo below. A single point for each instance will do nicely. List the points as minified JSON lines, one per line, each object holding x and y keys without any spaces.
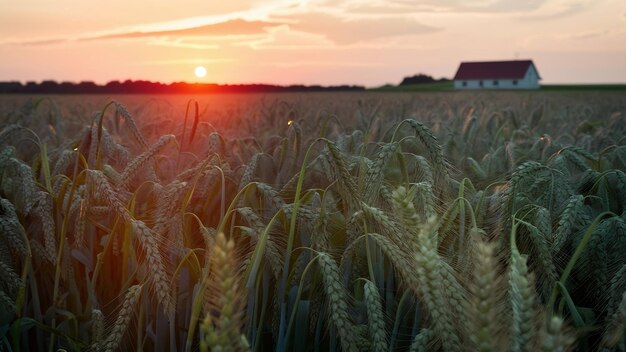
{"x":365,"y":42}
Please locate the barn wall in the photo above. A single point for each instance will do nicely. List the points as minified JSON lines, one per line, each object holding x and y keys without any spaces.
{"x":530,"y":81}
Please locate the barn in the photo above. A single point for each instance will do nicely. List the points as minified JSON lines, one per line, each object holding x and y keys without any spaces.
{"x":517,"y":74}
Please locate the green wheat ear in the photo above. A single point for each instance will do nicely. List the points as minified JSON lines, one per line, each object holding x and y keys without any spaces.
{"x":338,"y":303}
{"x":522,"y":297}
{"x":375,"y":318}
{"x":440,"y":291}
{"x":423,"y":341}
{"x":221,"y":327}
{"x":485,"y":305}
{"x":553,"y":336}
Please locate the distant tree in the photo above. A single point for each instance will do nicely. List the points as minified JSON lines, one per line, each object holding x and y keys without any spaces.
{"x":87,"y":87}
{"x":11,"y":87}
{"x":420,"y":79}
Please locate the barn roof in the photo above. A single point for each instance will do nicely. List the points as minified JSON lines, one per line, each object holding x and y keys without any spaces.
{"x":494,"y":69}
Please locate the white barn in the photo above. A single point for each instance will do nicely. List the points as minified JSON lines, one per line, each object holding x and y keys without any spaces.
{"x":518,"y":74}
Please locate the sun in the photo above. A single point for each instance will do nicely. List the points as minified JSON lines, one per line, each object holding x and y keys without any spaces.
{"x":200,"y":71}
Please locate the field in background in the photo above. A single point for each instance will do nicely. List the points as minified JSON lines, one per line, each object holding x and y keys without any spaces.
{"x":449,"y":87}
{"x":321,"y":221}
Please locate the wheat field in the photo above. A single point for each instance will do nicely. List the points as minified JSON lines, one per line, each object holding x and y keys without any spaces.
{"x":488,"y":221}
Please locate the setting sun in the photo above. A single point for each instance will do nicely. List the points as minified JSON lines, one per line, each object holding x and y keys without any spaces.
{"x":200,"y":71}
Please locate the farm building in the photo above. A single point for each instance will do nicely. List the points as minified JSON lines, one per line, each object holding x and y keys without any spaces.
{"x":518,"y":74}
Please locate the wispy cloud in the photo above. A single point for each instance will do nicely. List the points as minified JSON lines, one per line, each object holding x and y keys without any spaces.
{"x":587,"y":34}
{"x":556,"y":11}
{"x":181,"y":43}
{"x":230,"y":27}
{"x":36,"y":42}
{"x":291,"y":64}
{"x":441,"y":6}
{"x":234,"y":27}
{"x":285,"y":38}
{"x":188,"y":61}
{"x":346,"y":31}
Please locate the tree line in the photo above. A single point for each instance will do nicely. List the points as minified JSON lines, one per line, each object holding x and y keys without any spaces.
{"x":148,"y":87}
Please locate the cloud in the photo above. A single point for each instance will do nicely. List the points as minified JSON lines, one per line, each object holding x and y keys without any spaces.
{"x":588,"y":35}
{"x":292,"y":64}
{"x":46,"y":42}
{"x":188,"y":61}
{"x":347,"y":31}
{"x":228,"y":28}
{"x":180,"y":43}
{"x":35,"y":42}
{"x":231,"y":27}
{"x":439,"y":6}
{"x":286,"y":38}
{"x":557,"y":11}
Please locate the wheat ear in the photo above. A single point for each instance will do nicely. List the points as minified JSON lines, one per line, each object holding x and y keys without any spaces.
{"x":484,"y":304}
{"x":422,"y":341}
{"x":149,"y":243}
{"x":434,"y":280}
{"x":12,"y":229}
{"x":554,"y":338}
{"x":124,"y":316}
{"x":6,"y":302}
{"x":45,"y":213}
{"x":121,"y":110}
{"x":223,"y":333}
{"x":338,"y":303}
{"x":617,"y":326}
{"x":136,"y":164}
{"x":97,"y":327}
{"x":522,"y":296}
{"x":375,"y":318}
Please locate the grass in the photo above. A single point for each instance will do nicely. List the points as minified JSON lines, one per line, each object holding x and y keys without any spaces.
{"x":370,"y":221}
{"x":583,"y":87}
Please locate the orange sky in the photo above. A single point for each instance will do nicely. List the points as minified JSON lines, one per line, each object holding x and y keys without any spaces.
{"x":369,"y":42}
